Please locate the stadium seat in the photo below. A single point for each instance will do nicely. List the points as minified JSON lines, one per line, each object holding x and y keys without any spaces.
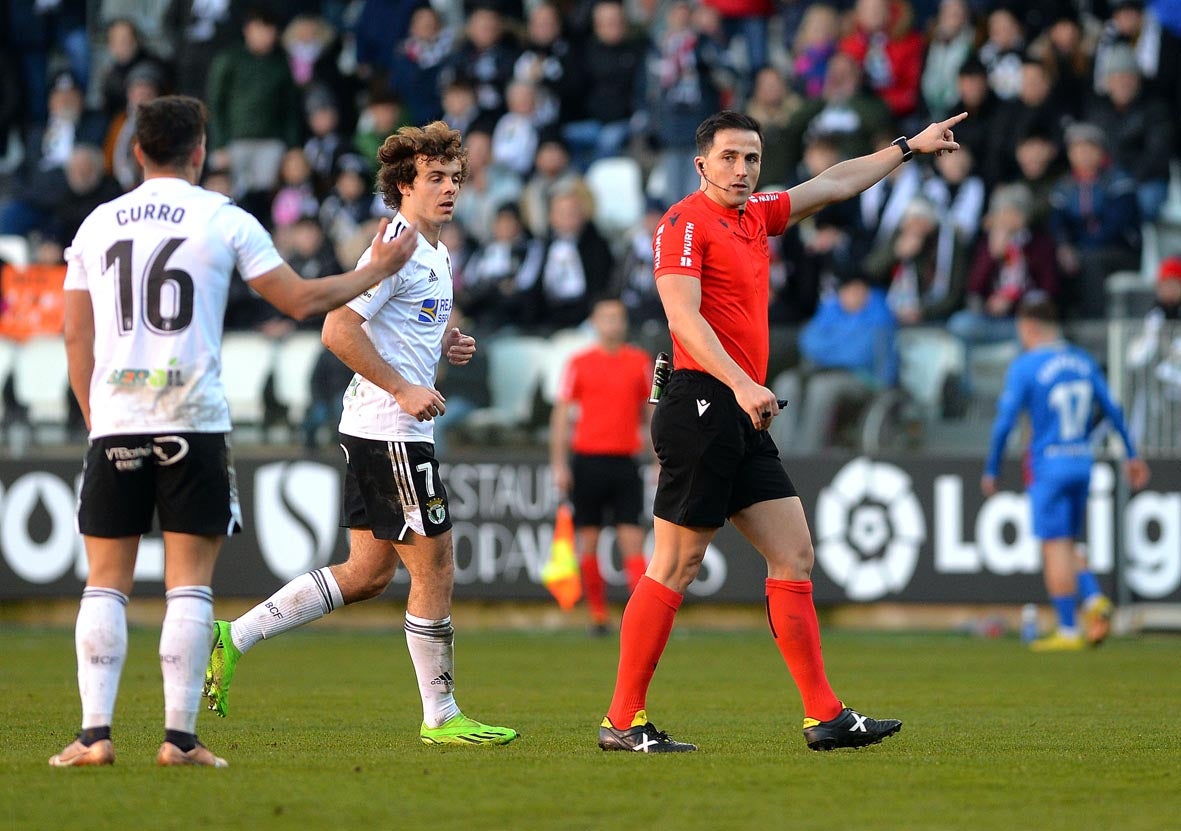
{"x":562,"y":346}
{"x":41,"y":380}
{"x":246,"y":363}
{"x":927,"y":356}
{"x":1128,"y":294}
{"x":515,"y":368}
{"x":618,"y":187}
{"x":294,"y":361}
{"x":14,"y":250}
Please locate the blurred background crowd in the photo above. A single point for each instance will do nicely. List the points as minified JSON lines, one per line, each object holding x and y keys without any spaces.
{"x":579,"y":119}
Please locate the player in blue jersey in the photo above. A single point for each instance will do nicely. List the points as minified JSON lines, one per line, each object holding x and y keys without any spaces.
{"x":1059,"y":384}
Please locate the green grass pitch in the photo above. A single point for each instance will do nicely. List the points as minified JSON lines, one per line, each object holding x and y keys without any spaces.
{"x":323,"y":734}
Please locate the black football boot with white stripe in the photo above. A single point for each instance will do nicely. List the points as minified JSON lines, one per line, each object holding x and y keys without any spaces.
{"x":848,"y":729}
{"x":642,"y":737}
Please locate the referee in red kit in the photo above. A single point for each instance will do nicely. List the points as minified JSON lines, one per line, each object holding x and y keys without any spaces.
{"x":717,"y":462}
{"x":606,"y":386}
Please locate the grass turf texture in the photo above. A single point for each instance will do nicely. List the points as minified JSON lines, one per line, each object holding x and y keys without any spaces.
{"x":323,"y":733}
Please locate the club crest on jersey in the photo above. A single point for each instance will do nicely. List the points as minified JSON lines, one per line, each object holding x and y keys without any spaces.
{"x":436,"y":512}
{"x":435,"y":310}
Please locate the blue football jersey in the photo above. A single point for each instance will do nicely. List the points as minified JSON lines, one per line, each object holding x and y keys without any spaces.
{"x":1058,"y":384}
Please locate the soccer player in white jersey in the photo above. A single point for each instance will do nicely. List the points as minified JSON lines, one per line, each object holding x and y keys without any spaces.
{"x":395,"y":506}
{"x":146,"y":285}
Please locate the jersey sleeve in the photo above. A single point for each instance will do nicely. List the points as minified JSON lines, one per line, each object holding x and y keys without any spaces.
{"x":776,"y":207}
{"x":677,"y":248}
{"x":254,"y":250}
{"x":368,"y":302}
{"x":76,"y":277}
{"x":1007,"y":409}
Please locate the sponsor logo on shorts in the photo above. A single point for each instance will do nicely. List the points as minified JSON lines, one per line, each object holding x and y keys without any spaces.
{"x":169,"y":450}
{"x":128,"y":458}
{"x":702,"y":406}
{"x":436,"y":511}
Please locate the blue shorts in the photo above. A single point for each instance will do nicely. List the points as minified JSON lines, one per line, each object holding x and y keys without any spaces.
{"x":1059,"y":504}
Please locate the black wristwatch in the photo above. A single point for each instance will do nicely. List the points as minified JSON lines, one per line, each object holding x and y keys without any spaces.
{"x":901,"y":144}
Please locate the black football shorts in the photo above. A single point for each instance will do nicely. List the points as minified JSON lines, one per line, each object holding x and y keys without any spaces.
{"x":607,"y":490}
{"x":713,"y":462}
{"x":392,"y":487}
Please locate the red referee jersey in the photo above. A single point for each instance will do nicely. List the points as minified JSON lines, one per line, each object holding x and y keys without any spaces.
{"x":728,"y":252}
{"x":611,"y":390}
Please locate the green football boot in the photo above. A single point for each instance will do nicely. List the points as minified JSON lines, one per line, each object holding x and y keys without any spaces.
{"x":223,"y":660}
{"x":463,"y":730}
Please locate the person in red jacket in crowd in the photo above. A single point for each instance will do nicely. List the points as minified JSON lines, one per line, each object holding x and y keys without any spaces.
{"x":747,"y":19}
{"x":885,"y":43}
{"x":608,"y":385}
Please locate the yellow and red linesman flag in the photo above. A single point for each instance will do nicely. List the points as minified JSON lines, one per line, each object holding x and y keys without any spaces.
{"x":560,"y":574}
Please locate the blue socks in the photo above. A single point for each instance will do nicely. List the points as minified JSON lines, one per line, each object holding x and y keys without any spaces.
{"x":1064,"y":606}
{"x":1088,"y":586}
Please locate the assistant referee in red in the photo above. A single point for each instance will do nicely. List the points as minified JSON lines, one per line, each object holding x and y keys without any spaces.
{"x":709,"y":431}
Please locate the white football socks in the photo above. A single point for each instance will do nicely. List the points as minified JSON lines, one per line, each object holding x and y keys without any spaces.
{"x":100,"y":638}
{"x":432,"y":649}
{"x":184,"y":651}
{"x":306,"y":598}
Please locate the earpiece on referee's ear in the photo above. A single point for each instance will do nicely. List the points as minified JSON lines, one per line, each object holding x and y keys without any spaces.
{"x":701,"y":167}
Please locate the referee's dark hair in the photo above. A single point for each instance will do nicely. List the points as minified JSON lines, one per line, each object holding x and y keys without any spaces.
{"x":724,"y":120}
{"x":169,"y":128}
{"x":1037,"y":306}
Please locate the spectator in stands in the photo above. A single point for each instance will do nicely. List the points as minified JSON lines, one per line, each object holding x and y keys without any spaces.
{"x":978,"y":132}
{"x":748,"y":20}
{"x":1139,"y":131}
{"x":460,"y":110}
{"x":1038,"y":160}
{"x":1001,"y":53}
{"x":1035,"y":109}
{"x":889,"y":50}
{"x":1122,"y":31}
{"x":379,"y":25}
{"x":325,"y":140}
{"x":1168,"y":290}
{"x":40,"y":183}
{"x":488,"y":295}
{"x":634,"y":281}
{"x":254,"y":105}
{"x":552,"y":173}
{"x":772,"y":103}
{"x":87,"y":187}
{"x":1094,"y":219}
{"x":515,"y":137}
{"x":957,"y":192}
{"x":846,"y":110}
{"x":313,"y":51}
{"x":548,"y":61}
{"x":679,"y":89}
{"x":143,"y":85}
{"x":126,"y":53}
{"x":850,"y":352}
{"x":953,"y":38}
{"x":923,"y":266}
{"x":573,"y":269}
{"x":418,"y":64}
{"x":1063,"y":49}
{"x":296,"y":197}
{"x":201,"y":30}
{"x":352,"y":204}
{"x":820,"y":247}
{"x":609,"y":66}
{"x":882,"y":205}
{"x":309,"y":253}
{"x":1012,"y":258}
{"x":485,"y":59}
{"x":488,"y":186}
{"x":814,"y":43}
{"x":381,"y":116}
{"x":35,"y":28}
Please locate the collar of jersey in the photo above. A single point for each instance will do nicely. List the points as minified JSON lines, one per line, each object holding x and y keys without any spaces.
{"x":714,"y":207}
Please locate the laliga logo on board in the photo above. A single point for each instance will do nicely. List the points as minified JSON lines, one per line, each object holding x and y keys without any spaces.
{"x":296,"y":508}
{"x":869,"y":528}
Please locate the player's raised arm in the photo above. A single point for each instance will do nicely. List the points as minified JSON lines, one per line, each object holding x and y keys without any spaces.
{"x":300,"y":298}
{"x":849,"y":178}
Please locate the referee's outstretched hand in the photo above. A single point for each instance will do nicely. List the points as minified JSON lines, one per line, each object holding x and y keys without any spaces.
{"x":388,"y":256}
{"x":938,"y":137}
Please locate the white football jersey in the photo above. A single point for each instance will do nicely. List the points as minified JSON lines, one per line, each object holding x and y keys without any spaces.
{"x":157,"y":263}
{"x":405,"y":315}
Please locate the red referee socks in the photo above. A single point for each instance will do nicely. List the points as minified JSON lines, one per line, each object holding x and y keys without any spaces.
{"x":643,"y":634}
{"x":594,"y":588}
{"x":792,"y":618}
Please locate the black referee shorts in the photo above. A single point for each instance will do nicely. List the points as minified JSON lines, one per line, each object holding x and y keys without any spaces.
{"x":713,"y":462}
{"x":607,"y":490}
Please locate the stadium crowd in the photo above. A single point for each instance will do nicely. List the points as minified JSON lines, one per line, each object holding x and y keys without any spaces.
{"x":1073,"y":112}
